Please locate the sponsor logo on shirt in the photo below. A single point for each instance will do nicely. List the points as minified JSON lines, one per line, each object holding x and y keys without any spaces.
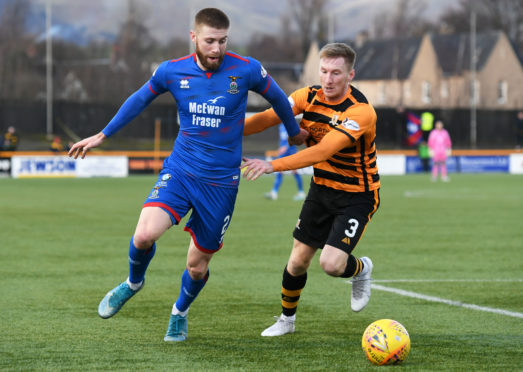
{"x":214,"y":100}
{"x":184,"y":84}
{"x":263,"y":72}
{"x":206,"y":109}
{"x":350,"y":124}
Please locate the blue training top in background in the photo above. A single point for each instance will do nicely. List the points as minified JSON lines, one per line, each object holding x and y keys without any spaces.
{"x":284,"y":142}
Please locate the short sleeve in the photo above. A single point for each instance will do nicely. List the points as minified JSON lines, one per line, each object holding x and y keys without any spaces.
{"x":359,"y":120}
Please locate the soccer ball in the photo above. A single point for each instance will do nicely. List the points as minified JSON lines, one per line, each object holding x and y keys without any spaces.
{"x":386,"y":341}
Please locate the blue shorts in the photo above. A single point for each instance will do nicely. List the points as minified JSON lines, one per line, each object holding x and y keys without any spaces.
{"x":212,"y":206}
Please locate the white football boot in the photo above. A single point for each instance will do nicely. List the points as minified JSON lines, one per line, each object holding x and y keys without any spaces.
{"x":283,"y":325}
{"x":360,"y":294}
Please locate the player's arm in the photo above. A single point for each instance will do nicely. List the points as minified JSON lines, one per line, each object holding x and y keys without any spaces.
{"x":265,"y":85}
{"x":277,"y":98}
{"x":135,"y":104}
{"x":333,"y":142}
{"x":259,"y":122}
{"x":282,"y":108}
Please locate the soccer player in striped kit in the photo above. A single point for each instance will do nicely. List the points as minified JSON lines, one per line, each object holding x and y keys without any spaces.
{"x":344,"y":192}
{"x":202,"y":173}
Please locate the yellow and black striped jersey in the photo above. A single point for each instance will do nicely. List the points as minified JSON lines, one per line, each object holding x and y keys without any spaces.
{"x":341,"y":147}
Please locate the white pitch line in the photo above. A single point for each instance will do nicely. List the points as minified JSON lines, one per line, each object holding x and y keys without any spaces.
{"x":420,"y":296}
{"x":447,"y":280}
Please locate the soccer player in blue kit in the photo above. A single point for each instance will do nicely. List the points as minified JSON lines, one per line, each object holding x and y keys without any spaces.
{"x":285,"y":149}
{"x":202,"y":173}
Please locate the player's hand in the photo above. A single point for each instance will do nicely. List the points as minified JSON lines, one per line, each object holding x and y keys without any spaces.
{"x":82,"y":146}
{"x":448,"y":152}
{"x":299,"y":139}
{"x":254,"y":168}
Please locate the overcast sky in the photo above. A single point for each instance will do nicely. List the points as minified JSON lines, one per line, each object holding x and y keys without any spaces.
{"x":168,"y":18}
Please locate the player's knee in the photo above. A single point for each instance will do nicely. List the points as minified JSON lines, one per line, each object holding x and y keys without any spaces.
{"x":297,"y":266}
{"x":143,"y":239}
{"x":197,"y":272}
{"x":332,"y":267}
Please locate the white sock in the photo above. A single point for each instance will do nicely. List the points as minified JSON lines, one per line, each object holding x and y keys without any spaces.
{"x":175,"y":311}
{"x":291,"y":318}
{"x":134,"y":286}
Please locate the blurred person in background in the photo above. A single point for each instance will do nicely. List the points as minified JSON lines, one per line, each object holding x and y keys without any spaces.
{"x":285,"y":149}
{"x":440,"y":147}
{"x":344,"y":192}
{"x":202,"y":173}
{"x":57,"y":145}
{"x":427,"y":124}
{"x":424,"y":156}
{"x":10,"y":139}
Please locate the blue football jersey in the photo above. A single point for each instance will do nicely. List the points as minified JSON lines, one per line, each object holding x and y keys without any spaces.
{"x":211,"y":107}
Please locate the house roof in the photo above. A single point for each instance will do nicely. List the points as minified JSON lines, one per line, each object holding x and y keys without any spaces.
{"x":453,"y":51}
{"x":384,"y":59}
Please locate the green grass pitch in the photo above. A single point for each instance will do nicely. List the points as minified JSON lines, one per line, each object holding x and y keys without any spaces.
{"x":64,"y":245}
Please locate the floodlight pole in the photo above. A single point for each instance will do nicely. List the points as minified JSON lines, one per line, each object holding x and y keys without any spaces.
{"x":49,"y":69}
{"x":473,"y":91}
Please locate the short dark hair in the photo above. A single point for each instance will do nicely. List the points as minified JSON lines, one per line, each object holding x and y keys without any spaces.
{"x":212,"y":17}
{"x":335,"y":50}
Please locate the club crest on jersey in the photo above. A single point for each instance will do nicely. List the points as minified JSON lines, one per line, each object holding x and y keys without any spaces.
{"x":233,"y":86}
{"x":184,"y":84}
{"x":154,"y":194}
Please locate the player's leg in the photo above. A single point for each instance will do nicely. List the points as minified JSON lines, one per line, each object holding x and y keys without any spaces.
{"x":165,"y":206}
{"x":193,"y":280}
{"x":444,"y":176}
{"x":310,"y":233}
{"x":293,"y":282}
{"x":347,"y":229}
{"x":153,"y":222}
{"x":213,"y":207}
{"x":273,"y":194}
{"x":299,"y":184}
{"x":435,"y":166}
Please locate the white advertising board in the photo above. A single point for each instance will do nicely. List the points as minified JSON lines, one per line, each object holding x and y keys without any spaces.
{"x":516,"y":163}
{"x":64,"y":166}
{"x":102,"y":166}
{"x":391,"y":164}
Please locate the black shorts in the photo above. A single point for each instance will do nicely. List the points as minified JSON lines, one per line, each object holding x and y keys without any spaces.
{"x":335,"y":217}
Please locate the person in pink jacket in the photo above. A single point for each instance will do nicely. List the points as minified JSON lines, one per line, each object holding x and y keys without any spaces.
{"x":440,"y":148}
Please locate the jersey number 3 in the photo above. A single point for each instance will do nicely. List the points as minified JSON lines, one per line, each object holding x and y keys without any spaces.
{"x":353,"y":228}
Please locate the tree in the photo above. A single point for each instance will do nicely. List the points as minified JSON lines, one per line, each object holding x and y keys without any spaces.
{"x":15,"y":53}
{"x":405,"y":20}
{"x":307,"y":16}
{"x":132,"y":45}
